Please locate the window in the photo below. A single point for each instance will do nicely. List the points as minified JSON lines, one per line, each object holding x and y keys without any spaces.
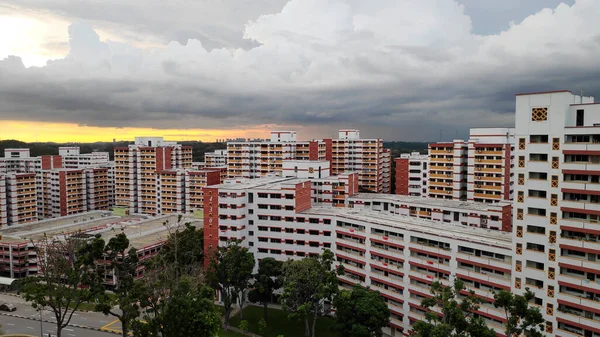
{"x":301,"y":220}
{"x":327,"y":233}
{"x":535,"y":247}
{"x":289,"y":208}
{"x":536,"y":229}
{"x":313,"y":220}
{"x":289,"y":230}
{"x":327,"y":245}
{"x":579,"y":118}
{"x":276,"y":229}
{"x":300,"y":231}
{"x":327,"y":221}
{"x":275,"y":196}
{"x":313,"y":232}
{"x":289,"y":196}
{"x":251,"y":233}
{"x":300,"y":242}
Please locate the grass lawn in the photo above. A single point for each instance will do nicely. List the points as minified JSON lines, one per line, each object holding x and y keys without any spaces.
{"x":279,"y":324}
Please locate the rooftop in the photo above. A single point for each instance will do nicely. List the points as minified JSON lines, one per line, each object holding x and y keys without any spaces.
{"x":141,"y":231}
{"x":417,"y":225}
{"x":428,"y":202}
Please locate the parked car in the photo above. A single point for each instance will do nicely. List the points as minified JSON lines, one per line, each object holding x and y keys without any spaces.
{"x":7,"y":307}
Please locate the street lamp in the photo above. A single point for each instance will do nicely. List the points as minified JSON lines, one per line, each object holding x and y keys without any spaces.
{"x":41,"y":323}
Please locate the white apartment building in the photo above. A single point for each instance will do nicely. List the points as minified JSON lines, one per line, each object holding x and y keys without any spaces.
{"x":347,"y":153}
{"x":3,"y":209}
{"x":217,"y":158}
{"x":259,"y":158}
{"x":20,"y":198}
{"x":72,"y":158}
{"x":135,"y":171}
{"x":555,"y":241}
{"x":412,"y":174}
{"x":398,"y":255}
{"x":351,"y":153}
{"x":448,"y":170}
{"x":490,"y":164}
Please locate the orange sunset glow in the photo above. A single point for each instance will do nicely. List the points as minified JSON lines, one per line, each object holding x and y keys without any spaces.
{"x":28,"y":131}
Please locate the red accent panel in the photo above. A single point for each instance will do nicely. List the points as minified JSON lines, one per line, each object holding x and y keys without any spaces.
{"x":62,"y":178}
{"x":303,"y":200}
{"x":582,"y":152}
{"x":581,"y":326}
{"x":572,"y":190}
{"x":401,"y":176}
{"x":506,"y":175}
{"x":579,"y":210}
{"x":595,"y":173}
{"x":581,"y":230}
{"x":211,"y":222}
{"x":213,"y":178}
{"x":507,"y":218}
{"x":313,"y":150}
{"x":581,"y":249}
{"x":328,"y":149}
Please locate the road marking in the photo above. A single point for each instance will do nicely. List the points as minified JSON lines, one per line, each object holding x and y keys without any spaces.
{"x":30,"y":328}
{"x":68,"y":329}
{"x":11,"y":324}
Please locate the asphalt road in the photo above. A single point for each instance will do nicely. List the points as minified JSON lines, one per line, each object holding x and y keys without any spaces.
{"x":89,"y":319}
{"x":14,"y":325}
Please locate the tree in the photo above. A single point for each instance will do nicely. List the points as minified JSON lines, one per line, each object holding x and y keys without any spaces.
{"x":66,"y":276}
{"x":184,"y":248}
{"x":456,"y":319}
{"x":266,"y":281}
{"x":190,"y":311}
{"x":122,"y":261}
{"x":521,"y":318}
{"x":360,"y":313}
{"x":230,"y":271}
{"x":307,"y":284}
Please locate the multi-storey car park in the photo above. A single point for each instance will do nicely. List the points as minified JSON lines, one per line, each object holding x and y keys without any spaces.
{"x":555,"y":242}
{"x":382,"y":247}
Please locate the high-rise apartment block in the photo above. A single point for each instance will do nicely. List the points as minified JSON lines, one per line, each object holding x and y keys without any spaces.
{"x":136,"y":167}
{"x":63,"y":193}
{"x":347,"y":153}
{"x":21,"y":196}
{"x":448,"y":170}
{"x":490,"y":164}
{"x":72,"y":158}
{"x":557,"y":206}
{"x":379,"y":246}
{"x":351,"y":153}
{"x":217,"y":158}
{"x":412,"y":174}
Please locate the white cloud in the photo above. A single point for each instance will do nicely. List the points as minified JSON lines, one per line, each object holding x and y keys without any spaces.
{"x":388,"y":63}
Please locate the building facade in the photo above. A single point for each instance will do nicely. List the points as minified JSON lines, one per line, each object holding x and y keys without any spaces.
{"x":217,"y":158}
{"x":412,"y":174}
{"x":555,"y":241}
{"x":490,"y":164}
{"x":72,"y":158}
{"x":136,"y":167}
{"x":398,"y":255}
{"x":448,"y":170}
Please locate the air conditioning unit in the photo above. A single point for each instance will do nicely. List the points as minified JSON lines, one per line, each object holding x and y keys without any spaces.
{"x":449,"y":192}
{"x":479,"y":151}
{"x":479,"y":160}
{"x":478,"y":169}
{"x":478,"y":178}
{"x":478,"y":185}
{"x":447,"y":184}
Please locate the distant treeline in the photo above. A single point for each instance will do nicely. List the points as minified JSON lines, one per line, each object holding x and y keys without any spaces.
{"x":405,"y":147}
{"x":40,"y":149}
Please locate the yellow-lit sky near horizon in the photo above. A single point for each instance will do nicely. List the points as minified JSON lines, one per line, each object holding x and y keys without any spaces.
{"x":73,"y":133}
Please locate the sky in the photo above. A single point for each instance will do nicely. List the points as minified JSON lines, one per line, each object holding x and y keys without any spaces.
{"x":209,"y":69}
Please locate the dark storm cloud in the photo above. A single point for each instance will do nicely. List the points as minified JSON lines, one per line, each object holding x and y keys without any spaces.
{"x":398,"y":70}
